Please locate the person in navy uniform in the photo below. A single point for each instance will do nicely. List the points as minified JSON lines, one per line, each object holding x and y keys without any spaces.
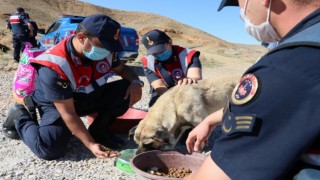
{"x":72,"y":82}
{"x":272,"y":118}
{"x":167,"y":65}
{"x":22,"y":31}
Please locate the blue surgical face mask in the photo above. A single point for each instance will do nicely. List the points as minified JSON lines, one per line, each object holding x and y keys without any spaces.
{"x":165,"y":55}
{"x":96,"y":53}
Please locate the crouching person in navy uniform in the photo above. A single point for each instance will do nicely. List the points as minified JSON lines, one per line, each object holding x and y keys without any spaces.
{"x":167,"y":65}
{"x":271,"y":122}
{"x":72,"y":82}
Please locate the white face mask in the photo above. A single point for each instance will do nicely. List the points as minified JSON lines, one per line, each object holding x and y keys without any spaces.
{"x":263,"y":32}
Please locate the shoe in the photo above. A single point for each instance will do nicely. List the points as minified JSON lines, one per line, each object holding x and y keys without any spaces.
{"x":107,"y":139}
{"x":14,"y":113}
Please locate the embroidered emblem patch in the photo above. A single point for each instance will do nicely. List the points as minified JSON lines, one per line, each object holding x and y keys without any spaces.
{"x":227,"y":124}
{"x":116,"y":36}
{"x":238,"y":124}
{"x":177,"y":74}
{"x":63,"y":83}
{"x":245,"y":90}
{"x":76,"y":60}
{"x":102,"y":67}
{"x":150,"y":43}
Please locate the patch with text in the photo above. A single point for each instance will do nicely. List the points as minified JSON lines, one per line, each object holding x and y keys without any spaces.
{"x":245,"y":89}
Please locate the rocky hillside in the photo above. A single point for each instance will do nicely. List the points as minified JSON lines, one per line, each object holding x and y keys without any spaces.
{"x":213,"y":49}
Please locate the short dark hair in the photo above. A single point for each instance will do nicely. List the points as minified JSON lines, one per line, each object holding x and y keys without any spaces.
{"x":82,"y":29}
{"x":20,"y":9}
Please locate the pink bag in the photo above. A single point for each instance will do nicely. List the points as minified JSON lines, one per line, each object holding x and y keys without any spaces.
{"x":24,"y":80}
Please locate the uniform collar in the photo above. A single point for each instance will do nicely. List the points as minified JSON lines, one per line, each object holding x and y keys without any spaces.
{"x":75,"y":58}
{"x":308,"y":21}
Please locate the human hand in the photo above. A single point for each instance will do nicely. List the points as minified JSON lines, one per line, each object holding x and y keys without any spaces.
{"x":134,"y":92}
{"x":186,"y":81}
{"x":102,"y":152}
{"x":198,"y":136}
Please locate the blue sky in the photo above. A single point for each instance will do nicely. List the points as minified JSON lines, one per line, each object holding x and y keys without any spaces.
{"x":201,"y":14}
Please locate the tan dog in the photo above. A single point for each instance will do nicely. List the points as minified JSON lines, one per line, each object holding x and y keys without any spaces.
{"x":180,"y":106}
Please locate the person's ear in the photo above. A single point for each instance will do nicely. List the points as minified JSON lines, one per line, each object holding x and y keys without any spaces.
{"x":81,"y":37}
{"x":265,"y":3}
{"x":170,"y":42}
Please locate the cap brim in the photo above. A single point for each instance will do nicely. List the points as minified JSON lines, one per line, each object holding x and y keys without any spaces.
{"x":156,"y":49}
{"x":114,"y":46}
{"x":228,"y":3}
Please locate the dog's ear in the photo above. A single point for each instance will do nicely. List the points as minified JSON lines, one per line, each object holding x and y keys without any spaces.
{"x":131,"y":132}
{"x":162,"y":136}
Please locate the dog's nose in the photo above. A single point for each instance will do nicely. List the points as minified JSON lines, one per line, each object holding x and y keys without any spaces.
{"x":139,"y":151}
{"x":143,"y":149}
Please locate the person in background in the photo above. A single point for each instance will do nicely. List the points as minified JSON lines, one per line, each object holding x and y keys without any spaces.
{"x":167,"y":65}
{"x":22,"y":31}
{"x":72,"y":81}
{"x":272,"y":117}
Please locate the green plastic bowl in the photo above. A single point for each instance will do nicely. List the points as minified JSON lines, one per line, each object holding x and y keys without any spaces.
{"x":123,"y":161}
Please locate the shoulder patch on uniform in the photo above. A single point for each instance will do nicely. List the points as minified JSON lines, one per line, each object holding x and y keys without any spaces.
{"x":245,"y":89}
{"x":102,"y":67}
{"x":63,"y":83}
{"x":232,"y":124}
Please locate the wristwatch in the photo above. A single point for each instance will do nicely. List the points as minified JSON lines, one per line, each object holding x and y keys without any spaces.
{"x":137,"y":81}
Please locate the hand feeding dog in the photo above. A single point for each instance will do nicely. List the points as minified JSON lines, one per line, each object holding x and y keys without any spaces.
{"x":185,"y":105}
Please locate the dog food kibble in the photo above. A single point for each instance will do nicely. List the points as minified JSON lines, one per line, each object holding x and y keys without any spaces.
{"x":172,"y":172}
{"x":109,"y":151}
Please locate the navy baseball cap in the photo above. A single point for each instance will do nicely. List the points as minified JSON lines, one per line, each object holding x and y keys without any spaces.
{"x":155,"y":41}
{"x":228,"y":3}
{"x":106,"y":29}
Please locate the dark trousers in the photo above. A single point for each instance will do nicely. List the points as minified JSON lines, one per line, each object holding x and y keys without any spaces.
{"x":153,"y":100}
{"x":49,"y":138}
{"x":109,"y":104}
{"x":154,"y":97}
{"x":18,"y":44}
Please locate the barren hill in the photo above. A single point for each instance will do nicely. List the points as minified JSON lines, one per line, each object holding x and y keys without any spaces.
{"x":213,"y":50}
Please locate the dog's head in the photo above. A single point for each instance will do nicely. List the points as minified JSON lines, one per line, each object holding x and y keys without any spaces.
{"x":150,"y":137}
{"x":154,"y":131}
